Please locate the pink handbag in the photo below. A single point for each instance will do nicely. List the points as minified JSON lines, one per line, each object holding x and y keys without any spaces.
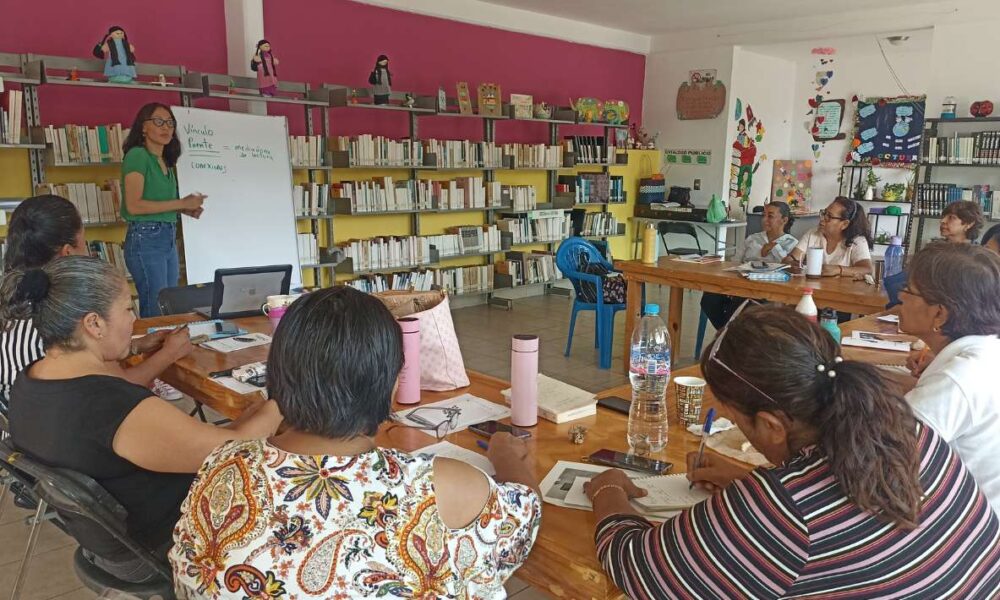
{"x":441,"y":364}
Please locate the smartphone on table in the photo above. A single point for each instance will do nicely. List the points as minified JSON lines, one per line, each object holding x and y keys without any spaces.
{"x":488,"y":428}
{"x":631,"y":462}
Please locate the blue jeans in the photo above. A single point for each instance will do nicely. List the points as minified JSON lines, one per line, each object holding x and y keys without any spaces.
{"x":151,"y":258}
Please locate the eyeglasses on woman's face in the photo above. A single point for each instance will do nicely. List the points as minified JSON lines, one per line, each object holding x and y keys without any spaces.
{"x":825,"y":214}
{"x":163,"y":122}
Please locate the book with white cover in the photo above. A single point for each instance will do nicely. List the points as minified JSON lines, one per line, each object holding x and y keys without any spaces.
{"x":560,"y":402}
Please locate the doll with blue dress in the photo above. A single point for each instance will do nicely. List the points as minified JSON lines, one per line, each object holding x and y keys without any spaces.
{"x":118,"y":55}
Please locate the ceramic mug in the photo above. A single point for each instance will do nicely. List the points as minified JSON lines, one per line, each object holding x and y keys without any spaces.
{"x":277,"y":301}
{"x":275,"y":314}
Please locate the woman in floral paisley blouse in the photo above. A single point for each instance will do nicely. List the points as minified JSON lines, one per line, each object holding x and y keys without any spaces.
{"x":321,"y":511}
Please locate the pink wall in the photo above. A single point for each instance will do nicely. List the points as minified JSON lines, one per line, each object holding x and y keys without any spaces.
{"x":333,"y":41}
{"x":337,"y":41}
{"x":188,"y":32}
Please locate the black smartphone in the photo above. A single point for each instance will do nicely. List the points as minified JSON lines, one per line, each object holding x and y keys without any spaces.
{"x":488,"y":428}
{"x":226,"y":328}
{"x":757,"y":264}
{"x":631,"y":462}
{"x":615,"y":403}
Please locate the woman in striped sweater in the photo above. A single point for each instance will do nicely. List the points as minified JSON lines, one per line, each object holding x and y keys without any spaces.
{"x":865,"y":501}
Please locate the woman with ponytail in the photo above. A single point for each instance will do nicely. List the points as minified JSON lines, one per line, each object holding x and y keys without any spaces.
{"x":860,"y":493}
{"x":72,"y":409}
{"x":845,"y":237}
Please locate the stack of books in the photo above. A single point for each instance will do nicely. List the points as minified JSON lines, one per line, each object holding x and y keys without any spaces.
{"x":307,"y":150}
{"x":377,"y":151}
{"x":11,"y":109}
{"x":456,"y":281}
{"x":465,"y":280}
{"x":419,"y":281}
{"x":981,"y":148}
{"x":308,"y":248}
{"x":110,"y":252}
{"x":526,"y":268}
{"x":534,"y":156}
{"x":589,"y":149}
{"x":468,"y":239}
{"x":388,"y":252}
{"x":383,"y":194}
{"x":514,"y":197}
{"x":457,"y":154}
{"x":74,"y":144}
{"x":311,"y":200}
{"x":932,"y":198}
{"x":97,"y":204}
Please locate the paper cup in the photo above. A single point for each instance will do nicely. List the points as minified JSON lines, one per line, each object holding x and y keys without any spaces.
{"x":689,"y":392}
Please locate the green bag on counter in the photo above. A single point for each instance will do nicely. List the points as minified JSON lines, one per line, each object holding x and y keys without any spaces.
{"x":716,"y":210}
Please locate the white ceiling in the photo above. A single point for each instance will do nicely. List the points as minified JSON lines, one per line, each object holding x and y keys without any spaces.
{"x":651,"y":17}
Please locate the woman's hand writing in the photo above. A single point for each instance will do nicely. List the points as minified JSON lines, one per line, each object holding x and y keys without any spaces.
{"x":714,"y":473}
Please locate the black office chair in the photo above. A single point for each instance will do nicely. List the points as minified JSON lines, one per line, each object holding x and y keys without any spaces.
{"x":91,"y":516}
{"x":185,"y":298}
{"x":666,"y":228}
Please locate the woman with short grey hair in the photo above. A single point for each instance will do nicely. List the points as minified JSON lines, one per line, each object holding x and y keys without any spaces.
{"x":141,"y":449}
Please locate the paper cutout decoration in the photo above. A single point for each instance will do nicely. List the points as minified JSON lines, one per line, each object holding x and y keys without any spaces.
{"x":791,"y":182}
{"x":888,"y":131}
{"x":521,"y":104}
{"x":588,"y":110}
{"x":829,"y":117}
{"x":687,"y":157}
{"x":701,"y":97}
{"x":614,"y":112}
{"x":824,"y":50}
{"x":464,"y":99}
{"x":744,"y":155}
{"x":489,"y":100}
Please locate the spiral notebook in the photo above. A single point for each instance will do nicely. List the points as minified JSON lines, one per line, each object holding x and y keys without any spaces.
{"x":668,"y":492}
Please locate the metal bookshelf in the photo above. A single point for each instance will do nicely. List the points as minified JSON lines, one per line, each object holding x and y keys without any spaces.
{"x":931,"y":128}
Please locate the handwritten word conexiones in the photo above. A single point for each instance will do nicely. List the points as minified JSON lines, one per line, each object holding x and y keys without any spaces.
{"x":247,"y":151}
{"x":199,"y":165}
{"x":204,"y":130}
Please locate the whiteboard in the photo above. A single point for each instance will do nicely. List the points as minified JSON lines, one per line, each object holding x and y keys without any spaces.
{"x":240,"y":161}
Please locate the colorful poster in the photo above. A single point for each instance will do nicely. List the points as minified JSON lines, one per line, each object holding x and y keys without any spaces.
{"x":745,"y":162}
{"x":829,"y":116}
{"x":791,"y":182}
{"x":888,"y":131}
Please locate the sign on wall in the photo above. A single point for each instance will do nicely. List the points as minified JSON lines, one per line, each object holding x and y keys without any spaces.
{"x":702,"y":96}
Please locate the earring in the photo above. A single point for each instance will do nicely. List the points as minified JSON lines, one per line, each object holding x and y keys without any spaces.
{"x":936,"y":329}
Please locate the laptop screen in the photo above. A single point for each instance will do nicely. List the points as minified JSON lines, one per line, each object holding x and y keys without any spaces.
{"x":246,"y":292}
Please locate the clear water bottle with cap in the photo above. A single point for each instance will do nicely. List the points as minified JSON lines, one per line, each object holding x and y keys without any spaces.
{"x":649,"y":372}
{"x":807,"y":306}
{"x":893,"y":258}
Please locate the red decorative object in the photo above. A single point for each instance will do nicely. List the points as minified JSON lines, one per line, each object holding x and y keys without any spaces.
{"x":981,"y":108}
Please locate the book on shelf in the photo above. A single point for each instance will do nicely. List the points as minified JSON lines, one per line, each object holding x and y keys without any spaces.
{"x":599,"y":224}
{"x":388,"y":252}
{"x":311,"y":200}
{"x":526,"y":268}
{"x":383,"y":194}
{"x":522,"y":106}
{"x":307,"y":150}
{"x":982,"y":148}
{"x":75,"y":144}
{"x":110,"y":252}
{"x":589,"y":149}
{"x":529,"y":229}
{"x":932,"y":198}
{"x":514,"y":197}
{"x":534,"y":156}
{"x":11,"y":116}
{"x":96,"y":204}
{"x":368,"y":150}
{"x":468,"y":239}
{"x":308,"y":248}
{"x":458,"y":280}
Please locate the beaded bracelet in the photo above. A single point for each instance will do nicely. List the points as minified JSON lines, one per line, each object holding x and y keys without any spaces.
{"x":605,"y":487}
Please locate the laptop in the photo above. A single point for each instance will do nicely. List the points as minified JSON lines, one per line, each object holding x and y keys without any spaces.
{"x":241,"y":292}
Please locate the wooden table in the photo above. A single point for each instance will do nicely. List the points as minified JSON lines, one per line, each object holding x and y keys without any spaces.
{"x":563,"y":562}
{"x":840,"y":293}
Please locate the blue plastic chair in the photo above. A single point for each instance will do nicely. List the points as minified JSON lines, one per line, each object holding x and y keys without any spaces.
{"x":568,"y":259}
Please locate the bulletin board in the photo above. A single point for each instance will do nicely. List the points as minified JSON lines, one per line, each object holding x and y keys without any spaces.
{"x":888,"y":131}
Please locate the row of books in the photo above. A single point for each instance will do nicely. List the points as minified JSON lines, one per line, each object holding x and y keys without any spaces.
{"x":377,"y":151}
{"x":932,"y":198}
{"x":308,"y":247}
{"x":526,"y":268}
{"x":599,"y":224}
{"x":466,"y":239}
{"x":981,"y":148}
{"x":383,"y":194}
{"x":590,"y":149}
{"x":11,"y":117}
{"x":111,"y":252}
{"x":456,"y":281}
{"x":307,"y":150}
{"x":550,"y":226}
{"x":97,"y":204}
{"x":83,"y":144}
{"x":388,"y":252}
{"x":599,"y":188}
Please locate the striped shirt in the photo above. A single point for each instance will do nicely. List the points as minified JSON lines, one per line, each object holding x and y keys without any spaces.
{"x":20,"y":345}
{"x":791,"y":532}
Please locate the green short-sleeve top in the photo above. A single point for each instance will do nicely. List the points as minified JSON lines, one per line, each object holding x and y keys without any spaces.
{"x":156,"y":184}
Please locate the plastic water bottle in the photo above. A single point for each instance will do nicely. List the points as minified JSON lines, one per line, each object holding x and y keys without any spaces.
{"x":807,"y":306}
{"x":828,"y":321}
{"x":893,"y":258}
{"x":649,"y":372}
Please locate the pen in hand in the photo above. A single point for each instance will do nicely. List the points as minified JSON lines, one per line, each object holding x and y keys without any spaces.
{"x":705,"y":431}
{"x":482,"y":444}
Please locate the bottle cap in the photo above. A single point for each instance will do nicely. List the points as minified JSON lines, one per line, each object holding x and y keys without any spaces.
{"x":895,"y":241}
{"x":653,"y":309}
{"x":524,"y":343}
{"x":807,"y":290}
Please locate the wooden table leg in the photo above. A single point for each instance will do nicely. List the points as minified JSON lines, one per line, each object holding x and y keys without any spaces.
{"x":633,"y":306}
{"x":674,"y":318}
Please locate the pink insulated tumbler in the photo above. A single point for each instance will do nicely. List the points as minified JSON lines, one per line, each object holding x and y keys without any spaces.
{"x":524,"y":380}
{"x":408,"y":391}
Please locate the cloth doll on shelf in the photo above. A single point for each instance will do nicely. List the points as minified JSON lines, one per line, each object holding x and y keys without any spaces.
{"x":381,"y":79}
{"x":118,"y":55}
{"x":266,"y":66}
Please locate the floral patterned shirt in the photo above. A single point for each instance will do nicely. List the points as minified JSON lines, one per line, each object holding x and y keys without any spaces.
{"x":263,"y":523}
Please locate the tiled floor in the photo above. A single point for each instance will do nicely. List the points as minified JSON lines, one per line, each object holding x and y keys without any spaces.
{"x":484,"y":334}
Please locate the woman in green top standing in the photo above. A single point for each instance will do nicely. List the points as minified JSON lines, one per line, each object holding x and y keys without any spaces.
{"x":149,"y":181}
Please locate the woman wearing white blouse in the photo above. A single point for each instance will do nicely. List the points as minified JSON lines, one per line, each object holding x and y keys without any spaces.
{"x":845,"y":237}
{"x":951,"y":303}
{"x":772,"y":244}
